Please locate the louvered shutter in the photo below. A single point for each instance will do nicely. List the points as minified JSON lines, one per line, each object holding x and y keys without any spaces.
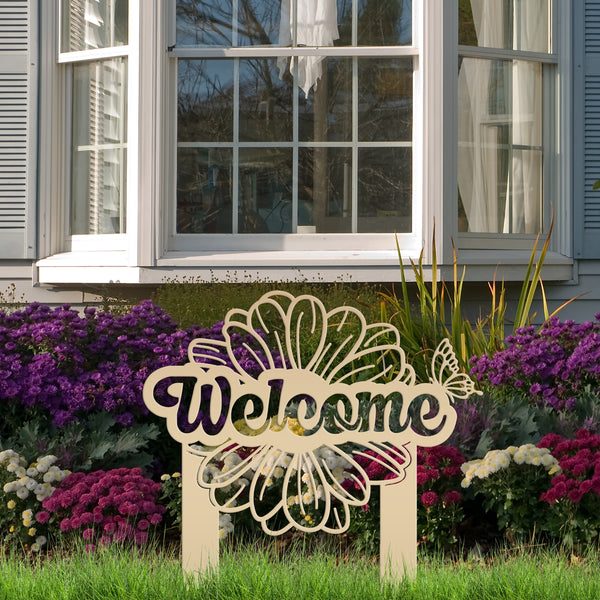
{"x":586,"y":128}
{"x":18,"y":105}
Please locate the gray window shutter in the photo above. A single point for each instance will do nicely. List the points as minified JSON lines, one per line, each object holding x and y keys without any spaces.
{"x":586,"y":128}
{"x":18,"y":106}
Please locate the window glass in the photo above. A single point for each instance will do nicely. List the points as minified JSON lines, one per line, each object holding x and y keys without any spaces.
{"x":205,"y":100}
{"x":314,"y":143}
{"x":204,"y":190}
{"x":385,"y":99}
{"x":99,"y":135}
{"x":509,"y":24}
{"x":93,"y":24}
{"x":384,"y":190}
{"x":276,"y":23}
{"x":500,"y":146}
{"x":384,"y":22}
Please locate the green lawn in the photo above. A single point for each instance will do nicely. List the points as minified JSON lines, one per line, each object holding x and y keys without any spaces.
{"x":253,"y":574}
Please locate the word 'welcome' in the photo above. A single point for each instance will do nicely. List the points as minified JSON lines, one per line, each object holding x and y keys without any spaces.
{"x":214,"y":405}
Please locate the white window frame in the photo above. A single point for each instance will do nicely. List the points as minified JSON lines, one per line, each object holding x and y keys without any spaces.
{"x":67,"y":60}
{"x":556,"y":141}
{"x":187,"y":244}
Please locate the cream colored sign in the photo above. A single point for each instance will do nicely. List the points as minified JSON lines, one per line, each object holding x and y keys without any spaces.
{"x":269,"y":427}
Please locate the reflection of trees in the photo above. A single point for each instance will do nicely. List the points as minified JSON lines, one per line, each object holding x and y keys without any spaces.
{"x":381,"y":22}
{"x":205,"y":100}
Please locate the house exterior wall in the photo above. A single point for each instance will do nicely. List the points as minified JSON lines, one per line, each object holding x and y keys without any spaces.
{"x":34,"y":258}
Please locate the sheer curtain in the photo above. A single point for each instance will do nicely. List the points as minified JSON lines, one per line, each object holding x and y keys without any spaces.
{"x":316,"y":25}
{"x":500,"y":120}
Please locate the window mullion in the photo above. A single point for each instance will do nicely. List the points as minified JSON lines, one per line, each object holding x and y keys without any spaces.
{"x":354,"y":213}
{"x":236,"y":153}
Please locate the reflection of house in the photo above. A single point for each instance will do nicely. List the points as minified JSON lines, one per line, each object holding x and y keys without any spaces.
{"x":101,"y":180}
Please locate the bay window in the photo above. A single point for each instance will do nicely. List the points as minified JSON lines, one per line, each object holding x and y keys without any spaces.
{"x":278,"y":132}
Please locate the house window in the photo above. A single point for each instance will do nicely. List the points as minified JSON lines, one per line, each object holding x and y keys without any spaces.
{"x":93,"y":43}
{"x":294,"y":116}
{"x":507,"y":69}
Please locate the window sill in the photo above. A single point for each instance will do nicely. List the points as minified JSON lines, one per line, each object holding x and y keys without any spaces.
{"x":319,"y":266}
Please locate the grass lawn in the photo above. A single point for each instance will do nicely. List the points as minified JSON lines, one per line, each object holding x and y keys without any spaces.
{"x":253,"y":574}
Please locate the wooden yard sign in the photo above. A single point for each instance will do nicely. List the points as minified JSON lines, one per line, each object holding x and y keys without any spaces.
{"x":297,"y":423}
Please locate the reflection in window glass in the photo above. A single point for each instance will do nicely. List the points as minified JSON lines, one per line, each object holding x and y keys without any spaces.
{"x":205,"y":100}
{"x":265,"y":199}
{"x":314,"y":143}
{"x":98,"y":189}
{"x":325,"y":190}
{"x":318,"y":23}
{"x":509,"y":24}
{"x":204,"y":186}
{"x":384,"y":190}
{"x":265,"y":101}
{"x":500,"y":152}
{"x":93,"y":24}
{"x":325,"y":115}
{"x":385,"y":99}
{"x":384,"y":22}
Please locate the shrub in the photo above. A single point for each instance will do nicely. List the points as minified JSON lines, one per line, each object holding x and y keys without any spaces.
{"x":550,"y":366}
{"x":25,"y":486}
{"x":511,"y":482}
{"x":574,"y":494}
{"x":117,"y":506}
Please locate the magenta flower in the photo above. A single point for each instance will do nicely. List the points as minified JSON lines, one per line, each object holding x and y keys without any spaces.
{"x":429,"y":499}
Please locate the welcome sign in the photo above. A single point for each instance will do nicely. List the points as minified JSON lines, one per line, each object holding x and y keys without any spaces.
{"x":276,"y":418}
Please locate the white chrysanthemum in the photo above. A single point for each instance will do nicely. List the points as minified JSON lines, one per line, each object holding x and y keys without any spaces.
{"x":20,"y":471}
{"x":41,"y":540}
{"x":27,"y":514}
{"x":31,"y":484}
{"x":307,"y":497}
{"x":32,"y":472}
{"x":22,"y":493}
{"x":291,"y":500}
{"x":35,"y":547}
{"x":48,"y":477}
{"x":11,"y":486}
{"x":278,"y":472}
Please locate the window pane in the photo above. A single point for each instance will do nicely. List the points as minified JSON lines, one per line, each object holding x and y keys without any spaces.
{"x":384,"y":22}
{"x":384,"y":190}
{"x":510,"y":24}
{"x":500,"y":146}
{"x":204,"y":22}
{"x":263,"y":23}
{"x":98,"y":183}
{"x":205,"y":100}
{"x":325,"y":190}
{"x":204,"y":185}
{"x":92,"y":24}
{"x":385,"y":99}
{"x":265,"y":102}
{"x":265,"y":195}
{"x":326,"y":114}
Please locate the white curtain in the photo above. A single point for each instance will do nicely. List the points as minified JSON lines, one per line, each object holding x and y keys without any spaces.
{"x":316,"y":25}
{"x":502,"y":107}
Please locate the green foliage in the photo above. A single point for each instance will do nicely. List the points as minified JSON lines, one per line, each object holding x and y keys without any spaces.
{"x":423,"y":321}
{"x":191,"y":301}
{"x":95,"y":443}
{"x":509,"y":484}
